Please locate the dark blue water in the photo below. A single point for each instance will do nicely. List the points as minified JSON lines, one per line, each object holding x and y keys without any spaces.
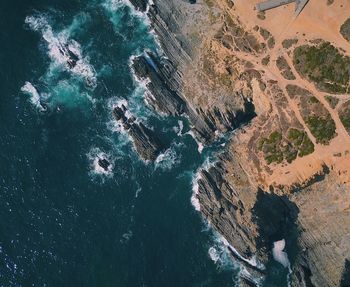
{"x":63,"y":222}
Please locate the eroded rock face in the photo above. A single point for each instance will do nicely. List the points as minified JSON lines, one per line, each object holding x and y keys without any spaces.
{"x":250,"y":219}
{"x":210,"y":70}
{"x":163,"y":95}
{"x":145,"y":141}
{"x":172,"y":77}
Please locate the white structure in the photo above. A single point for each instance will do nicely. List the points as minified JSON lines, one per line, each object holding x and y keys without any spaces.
{"x":270,"y":4}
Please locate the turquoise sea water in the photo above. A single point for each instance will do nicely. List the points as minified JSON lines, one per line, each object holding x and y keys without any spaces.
{"x":64,"y":221}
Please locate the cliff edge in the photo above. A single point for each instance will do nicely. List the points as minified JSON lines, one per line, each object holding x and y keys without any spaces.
{"x":283,"y":84}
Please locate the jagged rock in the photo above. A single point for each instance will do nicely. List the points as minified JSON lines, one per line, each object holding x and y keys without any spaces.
{"x":145,"y":141}
{"x":140,"y":5}
{"x":104,"y":163}
{"x":166,"y":94}
{"x":163,"y":97}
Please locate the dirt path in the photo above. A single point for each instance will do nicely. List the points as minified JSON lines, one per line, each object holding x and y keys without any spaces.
{"x":308,"y":26}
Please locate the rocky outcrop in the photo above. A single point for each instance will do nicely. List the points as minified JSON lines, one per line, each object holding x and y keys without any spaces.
{"x":163,"y":94}
{"x":250,"y":219}
{"x":104,"y":163}
{"x":224,"y":209}
{"x":140,"y":5}
{"x":145,"y":141}
{"x":169,"y":91}
{"x":210,"y":82}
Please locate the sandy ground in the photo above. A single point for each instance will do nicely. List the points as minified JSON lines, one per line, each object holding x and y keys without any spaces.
{"x":308,"y":26}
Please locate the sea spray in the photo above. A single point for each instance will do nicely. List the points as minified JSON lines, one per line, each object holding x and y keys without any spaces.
{"x":278,"y":253}
{"x":168,"y":159}
{"x":94,"y":156}
{"x":30,"y":90}
{"x":69,"y":78}
{"x":199,"y":144}
{"x":281,"y":256}
{"x":63,"y":51}
{"x":195,"y":191}
{"x":121,"y":11}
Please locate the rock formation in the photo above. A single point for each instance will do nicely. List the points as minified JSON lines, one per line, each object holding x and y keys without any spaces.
{"x":274,"y":180}
{"x":145,"y":141}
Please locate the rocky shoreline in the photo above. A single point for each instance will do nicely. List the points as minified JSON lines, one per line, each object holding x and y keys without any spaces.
{"x":232,"y":201}
{"x":145,"y":141}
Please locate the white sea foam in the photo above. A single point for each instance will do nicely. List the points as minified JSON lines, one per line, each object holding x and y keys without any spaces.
{"x":30,"y":90}
{"x":200,"y":145}
{"x":244,"y":273}
{"x":94,"y":155}
{"x":138,"y":190}
{"x":195,"y":191}
{"x":278,"y":254}
{"x":112,"y":103}
{"x":181,"y":127}
{"x":214,"y":254}
{"x":126,"y":236}
{"x":219,"y":254}
{"x":61,"y":49}
{"x":253,"y":261}
{"x":168,"y":159}
{"x":113,"y":6}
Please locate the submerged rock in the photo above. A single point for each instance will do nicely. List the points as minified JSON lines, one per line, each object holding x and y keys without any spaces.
{"x":104,"y":163}
{"x":145,"y":141}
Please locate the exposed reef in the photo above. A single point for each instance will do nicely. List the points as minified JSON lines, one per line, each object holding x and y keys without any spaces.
{"x":145,"y":141}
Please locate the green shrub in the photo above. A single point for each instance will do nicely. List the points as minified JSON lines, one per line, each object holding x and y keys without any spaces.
{"x":324,"y":65}
{"x":323,"y":129}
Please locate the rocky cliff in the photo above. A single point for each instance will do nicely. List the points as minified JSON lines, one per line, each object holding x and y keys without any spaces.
{"x":223,"y":67}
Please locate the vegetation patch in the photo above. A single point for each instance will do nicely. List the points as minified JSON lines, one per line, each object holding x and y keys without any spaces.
{"x":264,"y":33}
{"x":266,"y":60}
{"x":315,"y":115}
{"x":271,"y":43}
{"x":322,"y":128}
{"x":324,"y":65}
{"x":287,"y":43}
{"x":344,"y":114}
{"x":294,"y":90}
{"x":261,"y":15}
{"x":277,"y":148}
{"x":243,"y":40}
{"x":284,"y":68}
{"x":332,"y":101}
{"x":345,"y":30}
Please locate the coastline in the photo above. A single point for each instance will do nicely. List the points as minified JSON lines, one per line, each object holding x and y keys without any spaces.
{"x":234,"y":193}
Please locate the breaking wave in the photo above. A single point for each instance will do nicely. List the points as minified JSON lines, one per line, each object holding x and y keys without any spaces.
{"x":35,"y":98}
{"x":69,"y":77}
{"x":220,"y":254}
{"x":168,"y":159}
{"x":97,"y":169}
{"x":64,"y":52}
{"x":199,"y":144}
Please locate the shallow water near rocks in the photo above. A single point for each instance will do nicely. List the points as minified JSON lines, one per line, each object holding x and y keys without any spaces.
{"x":63,"y":220}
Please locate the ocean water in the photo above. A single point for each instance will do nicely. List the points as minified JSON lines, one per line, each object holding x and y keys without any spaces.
{"x":63,"y":220}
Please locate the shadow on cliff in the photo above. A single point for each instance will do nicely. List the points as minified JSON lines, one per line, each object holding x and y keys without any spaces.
{"x":276,"y":218}
{"x":345,"y":281}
